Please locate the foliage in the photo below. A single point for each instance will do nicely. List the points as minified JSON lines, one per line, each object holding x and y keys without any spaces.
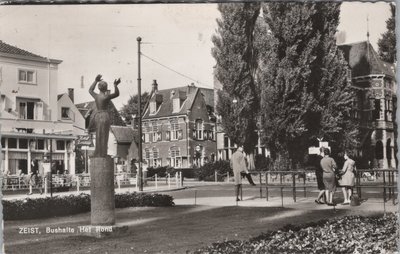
{"x":130,"y":109}
{"x":74,"y":204}
{"x":235,"y":70}
{"x":351,"y":234}
{"x":387,"y":44}
{"x":207,"y":171}
{"x":303,"y":86}
{"x":79,"y":160}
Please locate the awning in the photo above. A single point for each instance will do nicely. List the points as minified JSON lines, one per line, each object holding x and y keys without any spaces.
{"x":28,"y":98}
{"x":17,"y":155}
{"x":36,"y":135}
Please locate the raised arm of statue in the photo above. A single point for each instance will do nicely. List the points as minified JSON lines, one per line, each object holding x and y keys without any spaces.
{"x":91,"y":88}
{"x":116,"y":90}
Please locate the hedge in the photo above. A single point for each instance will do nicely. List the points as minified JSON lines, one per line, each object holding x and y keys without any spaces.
{"x":207,"y":171}
{"x":73,"y":204}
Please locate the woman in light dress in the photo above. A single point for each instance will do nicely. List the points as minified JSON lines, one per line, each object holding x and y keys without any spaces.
{"x":348,"y":177}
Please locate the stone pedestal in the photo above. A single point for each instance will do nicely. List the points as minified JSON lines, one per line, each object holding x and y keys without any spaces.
{"x":102,"y":191}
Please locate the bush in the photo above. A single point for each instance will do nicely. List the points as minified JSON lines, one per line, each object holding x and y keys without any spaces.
{"x":207,"y":171}
{"x":74,"y":204}
{"x":351,"y":234}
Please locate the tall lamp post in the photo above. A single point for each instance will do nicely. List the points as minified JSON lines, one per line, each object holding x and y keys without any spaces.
{"x":140,"y":119}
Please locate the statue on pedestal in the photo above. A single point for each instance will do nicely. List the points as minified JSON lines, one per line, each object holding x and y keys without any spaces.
{"x":101,"y":119}
{"x":101,"y":165}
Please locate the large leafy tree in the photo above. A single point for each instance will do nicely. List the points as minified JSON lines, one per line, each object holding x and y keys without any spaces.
{"x":333,"y":92}
{"x":131,"y":108}
{"x":304,"y":91}
{"x":387,"y":44}
{"x":285,"y":76}
{"x":234,"y":53}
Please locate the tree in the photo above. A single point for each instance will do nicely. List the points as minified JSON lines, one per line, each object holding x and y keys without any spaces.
{"x":387,"y":44}
{"x":333,"y":94}
{"x":235,"y":70}
{"x":285,"y":76}
{"x":131,"y":108}
{"x":304,"y":91}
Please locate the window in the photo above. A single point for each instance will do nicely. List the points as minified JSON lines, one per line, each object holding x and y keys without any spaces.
{"x":176,"y":105}
{"x":153,"y":107}
{"x":226,"y":141}
{"x":27,"y":110}
{"x":176,"y":133}
{"x":60,"y":145}
{"x":377,"y":109}
{"x":40,"y":144}
{"x":211,"y":134}
{"x":23,"y":143}
{"x":175,"y":157}
{"x":3,"y":142}
{"x":27,"y":76}
{"x":65,"y":113}
{"x":199,"y":129}
{"x":12,"y":143}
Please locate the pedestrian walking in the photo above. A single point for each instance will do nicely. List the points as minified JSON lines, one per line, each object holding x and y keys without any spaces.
{"x":247,"y":173}
{"x":348,"y":177}
{"x":321,"y":198}
{"x":238,"y":165}
{"x":328,"y":165}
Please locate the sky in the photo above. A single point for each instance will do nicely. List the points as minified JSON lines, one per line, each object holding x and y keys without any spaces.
{"x":101,"y":39}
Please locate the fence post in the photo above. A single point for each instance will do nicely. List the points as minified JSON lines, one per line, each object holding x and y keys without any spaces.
{"x":266,"y":184}
{"x":155,"y":176}
{"x":119,"y":182}
{"x":294,"y":186}
{"x":137,"y":182}
{"x":215,"y":176}
{"x":228,"y":177}
{"x":176,"y":180}
{"x":260,"y":185}
{"x":384,"y":186}
{"x":304,"y":182}
{"x":45,"y":185}
{"x":77,"y":183}
{"x":180,"y":179}
{"x":169,"y":181}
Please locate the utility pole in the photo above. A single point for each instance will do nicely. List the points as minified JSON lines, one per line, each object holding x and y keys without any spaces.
{"x":51,"y":167}
{"x":140,"y":119}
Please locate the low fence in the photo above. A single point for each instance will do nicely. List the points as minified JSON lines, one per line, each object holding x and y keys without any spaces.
{"x":298,"y":182}
{"x":81,"y":182}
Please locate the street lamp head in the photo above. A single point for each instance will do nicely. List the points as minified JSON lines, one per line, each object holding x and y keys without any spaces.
{"x":139,"y":38}
{"x":235,"y":101}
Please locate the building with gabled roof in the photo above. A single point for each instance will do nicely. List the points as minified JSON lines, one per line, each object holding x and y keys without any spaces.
{"x":179,"y":127}
{"x":375,"y":104}
{"x":28,"y":112}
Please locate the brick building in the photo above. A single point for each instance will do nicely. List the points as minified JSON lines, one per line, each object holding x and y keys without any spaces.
{"x":179,"y":127}
{"x":375,"y":104}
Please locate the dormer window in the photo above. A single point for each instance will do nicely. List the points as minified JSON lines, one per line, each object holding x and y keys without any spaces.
{"x":176,"y":105}
{"x":153,"y":107}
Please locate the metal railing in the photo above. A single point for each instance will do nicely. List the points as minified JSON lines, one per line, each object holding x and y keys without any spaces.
{"x":80,"y":182}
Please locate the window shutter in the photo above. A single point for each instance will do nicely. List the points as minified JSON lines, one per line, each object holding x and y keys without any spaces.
{"x":180,"y":134}
{"x":159,"y":136}
{"x":194,"y":134}
{"x":168,"y":135}
{"x":143,"y":138}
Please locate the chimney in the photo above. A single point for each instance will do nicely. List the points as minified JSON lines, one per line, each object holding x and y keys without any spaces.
{"x":191,"y":88}
{"x":71,"y":94}
{"x":154,"y":86}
